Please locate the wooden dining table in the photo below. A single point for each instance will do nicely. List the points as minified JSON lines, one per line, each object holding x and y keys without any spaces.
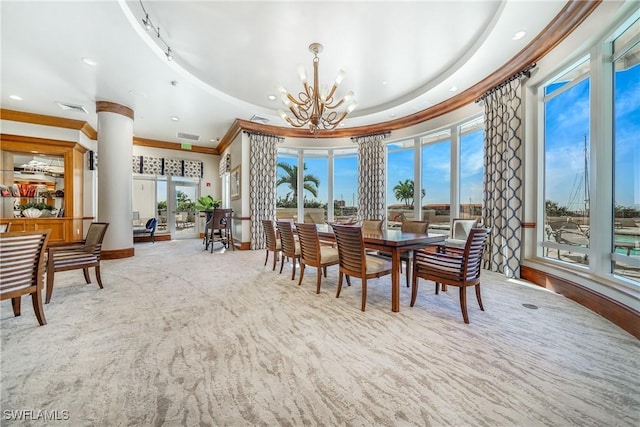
{"x":393,"y":241}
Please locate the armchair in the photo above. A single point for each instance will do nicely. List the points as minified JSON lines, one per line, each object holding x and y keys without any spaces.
{"x":72,"y":256}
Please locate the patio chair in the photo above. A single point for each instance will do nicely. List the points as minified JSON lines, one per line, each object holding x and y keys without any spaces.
{"x":455,"y":268}
{"x":568,"y":233}
{"x":22,"y":269}
{"x":74,"y":256}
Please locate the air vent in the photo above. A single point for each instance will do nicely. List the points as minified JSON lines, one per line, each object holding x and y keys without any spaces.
{"x":259,"y":119}
{"x":190,"y":137}
{"x":72,"y":107}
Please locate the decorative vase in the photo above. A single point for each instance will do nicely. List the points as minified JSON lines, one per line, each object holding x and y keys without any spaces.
{"x":31,"y":213}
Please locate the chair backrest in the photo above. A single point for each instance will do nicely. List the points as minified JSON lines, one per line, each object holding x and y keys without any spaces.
{"x":220,"y":219}
{"x":418,"y":227}
{"x":309,"y":243}
{"x":461,"y":227}
{"x":473,"y":253}
{"x":151,"y":224}
{"x":269,"y":234}
{"x":95,"y":235}
{"x":286,"y":238}
{"x":350,"y":249}
{"x":21,"y":260}
{"x":372,"y":224}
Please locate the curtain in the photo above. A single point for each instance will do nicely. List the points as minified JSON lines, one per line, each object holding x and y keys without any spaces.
{"x":371,"y":163}
{"x":503,"y":164}
{"x":263,"y":154}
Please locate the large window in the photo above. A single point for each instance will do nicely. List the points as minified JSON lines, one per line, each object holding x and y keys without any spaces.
{"x":345,"y":184}
{"x":316,"y":186}
{"x":566,"y":165}
{"x":287,"y":184}
{"x":436,"y":178}
{"x":471,"y":170}
{"x":400,"y":182}
{"x":626,"y":187}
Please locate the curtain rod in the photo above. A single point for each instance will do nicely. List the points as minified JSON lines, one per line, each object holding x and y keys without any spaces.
{"x":525,"y":72}
{"x":385,"y":134}
{"x":249,"y":132}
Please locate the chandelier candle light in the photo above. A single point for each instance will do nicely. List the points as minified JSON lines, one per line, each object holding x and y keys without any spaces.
{"x":315,"y":101}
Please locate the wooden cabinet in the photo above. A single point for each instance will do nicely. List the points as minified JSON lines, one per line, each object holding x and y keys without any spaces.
{"x":69,"y":226}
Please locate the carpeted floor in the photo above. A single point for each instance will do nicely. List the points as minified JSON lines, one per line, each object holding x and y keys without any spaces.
{"x":180,"y":336}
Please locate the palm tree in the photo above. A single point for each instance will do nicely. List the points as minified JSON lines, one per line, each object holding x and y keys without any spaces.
{"x":290,"y":177}
{"x":404,"y":192}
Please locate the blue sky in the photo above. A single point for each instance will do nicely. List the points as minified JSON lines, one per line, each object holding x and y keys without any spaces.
{"x":567,"y":124}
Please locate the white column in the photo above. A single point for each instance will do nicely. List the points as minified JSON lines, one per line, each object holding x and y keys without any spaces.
{"x":115,"y":149}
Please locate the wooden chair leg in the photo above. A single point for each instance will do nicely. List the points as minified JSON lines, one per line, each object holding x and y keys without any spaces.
{"x":414,"y":289}
{"x":339,"y":284}
{"x":267,"y":257}
{"x":301,"y":273}
{"x":318,"y":279}
{"x":275,"y":258}
{"x":408,"y":272}
{"x":85,"y":271}
{"x":293,"y":268}
{"x":364,"y":293}
{"x":36,"y":298}
{"x":15,"y":303}
{"x":463,"y":303}
{"x":98,"y":278}
{"x":479,"y":297}
{"x":281,"y":264}
{"x":348,"y":280}
{"x":50,"y":274}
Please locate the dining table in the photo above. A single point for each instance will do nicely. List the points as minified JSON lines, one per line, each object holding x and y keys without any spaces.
{"x":393,"y":241}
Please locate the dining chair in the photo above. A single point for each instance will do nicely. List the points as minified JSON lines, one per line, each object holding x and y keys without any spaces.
{"x":417,"y":227}
{"x":290,"y":248}
{"x":22,"y":269}
{"x":313,"y":253}
{"x":353,"y":260}
{"x":460,"y":228}
{"x":455,"y":268}
{"x":272,"y":243}
{"x":77,"y":255}
{"x":372,"y":224}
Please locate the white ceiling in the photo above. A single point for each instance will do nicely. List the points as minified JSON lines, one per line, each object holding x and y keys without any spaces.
{"x":399,"y":57}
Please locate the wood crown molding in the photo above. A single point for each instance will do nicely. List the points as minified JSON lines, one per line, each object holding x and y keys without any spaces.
{"x":53,"y":146}
{"x":567,"y":20}
{"x":112,"y":107}
{"x":40,"y":119}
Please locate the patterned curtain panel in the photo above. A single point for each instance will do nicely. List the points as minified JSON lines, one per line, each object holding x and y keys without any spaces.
{"x":225,"y":164}
{"x":371,"y":163}
{"x":503,"y":165}
{"x":160,"y":166}
{"x":263,"y":154}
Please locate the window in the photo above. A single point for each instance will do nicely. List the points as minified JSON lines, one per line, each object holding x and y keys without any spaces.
{"x":400,"y":182}
{"x":626,"y":167}
{"x":345,"y":184}
{"x":316,"y":186}
{"x":436,"y":178}
{"x":566,"y":166}
{"x":287,"y":184}
{"x":471,"y":171}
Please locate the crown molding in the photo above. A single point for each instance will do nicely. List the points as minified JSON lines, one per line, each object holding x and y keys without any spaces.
{"x":173,"y":146}
{"x":41,"y":119}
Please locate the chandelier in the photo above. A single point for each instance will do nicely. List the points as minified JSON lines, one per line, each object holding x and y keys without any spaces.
{"x":315,"y":105}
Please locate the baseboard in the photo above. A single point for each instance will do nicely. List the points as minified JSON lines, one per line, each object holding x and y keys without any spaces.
{"x":117,"y":253}
{"x":159,"y":238}
{"x":623,"y":316}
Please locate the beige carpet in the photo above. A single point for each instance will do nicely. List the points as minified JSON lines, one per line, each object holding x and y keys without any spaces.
{"x":180,"y":336}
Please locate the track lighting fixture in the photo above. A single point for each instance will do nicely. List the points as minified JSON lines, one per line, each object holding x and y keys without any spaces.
{"x":148,"y":25}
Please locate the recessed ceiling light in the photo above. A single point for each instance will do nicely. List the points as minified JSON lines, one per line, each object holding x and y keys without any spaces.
{"x":392,"y":115}
{"x":137,"y":93}
{"x":15,"y":97}
{"x":519,"y":35}
{"x":175,"y":118}
{"x":453,"y":88}
{"x":271,"y":97}
{"x":89,"y":61}
{"x":384,"y":83}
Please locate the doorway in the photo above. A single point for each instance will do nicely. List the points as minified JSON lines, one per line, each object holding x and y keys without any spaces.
{"x":182,"y":220}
